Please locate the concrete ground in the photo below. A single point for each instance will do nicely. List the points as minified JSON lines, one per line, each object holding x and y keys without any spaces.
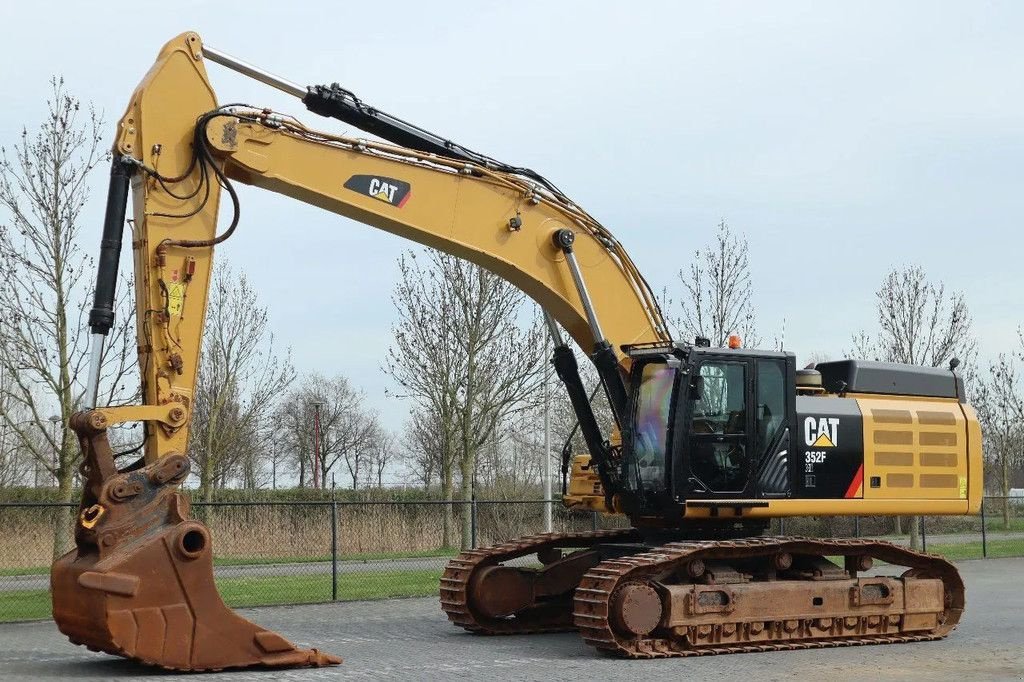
{"x":411,"y":639}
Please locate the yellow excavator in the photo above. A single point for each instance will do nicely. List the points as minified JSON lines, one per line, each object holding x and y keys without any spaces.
{"x":710,"y":444}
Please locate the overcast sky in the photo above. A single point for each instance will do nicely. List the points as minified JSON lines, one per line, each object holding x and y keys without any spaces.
{"x":842,"y":141}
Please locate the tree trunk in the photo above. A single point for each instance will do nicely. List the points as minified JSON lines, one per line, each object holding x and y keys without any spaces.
{"x":467,"y":459}
{"x":467,"y":466}
{"x":448,"y":496}
{"x":1005,"y":485}
{"x":915,"y":532}
{"x":64,"y":517}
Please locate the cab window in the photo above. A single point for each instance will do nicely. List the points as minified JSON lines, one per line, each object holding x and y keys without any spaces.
{"x":719,"y":401}
{"x":771,"y":402}
{"x":718,"y":454}
{"x":653,"y":406}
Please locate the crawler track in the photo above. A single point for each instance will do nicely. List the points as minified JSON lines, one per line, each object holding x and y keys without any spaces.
{"x":593,"y":599}
{"x":592,"y":607}
{"x":553,"y":617}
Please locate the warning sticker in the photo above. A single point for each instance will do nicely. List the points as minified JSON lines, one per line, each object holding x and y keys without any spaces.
{"x":175,"y":298}
{"x":963,"y":487}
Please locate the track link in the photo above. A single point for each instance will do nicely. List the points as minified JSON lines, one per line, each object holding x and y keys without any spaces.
{"x":593,"y":597}
{"x":459,"y":572}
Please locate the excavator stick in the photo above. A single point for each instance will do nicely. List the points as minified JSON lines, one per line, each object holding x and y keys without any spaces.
{"x":139,"y":583}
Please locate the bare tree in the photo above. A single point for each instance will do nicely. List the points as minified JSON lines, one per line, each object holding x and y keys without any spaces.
{"x":718,"y":291}
{"x":428,"y":365}
{"x":526,"y":429}
{"x":460,"y":352}
{"x":422,"y":449}
{"x":12,"y":457}
{"x":15,"y":463}
{"x":382,"y":454}
{"x":1000,"y":403}
{"x":918,"y":324}
{"x":347,"y":429}
{"x":240,"y":378}
{"x":814,"y":357}
{"x":43,"y":347}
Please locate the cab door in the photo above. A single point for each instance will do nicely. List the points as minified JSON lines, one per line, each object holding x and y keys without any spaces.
{"x":719,"y":451}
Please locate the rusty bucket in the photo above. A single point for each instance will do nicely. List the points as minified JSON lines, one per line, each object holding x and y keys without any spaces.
{"x":139,"y":583}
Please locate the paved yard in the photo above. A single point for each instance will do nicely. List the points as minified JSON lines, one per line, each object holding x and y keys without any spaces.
{"x":410,"y":639}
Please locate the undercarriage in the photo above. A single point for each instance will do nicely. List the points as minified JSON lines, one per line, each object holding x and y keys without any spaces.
{"x":690,"y":598}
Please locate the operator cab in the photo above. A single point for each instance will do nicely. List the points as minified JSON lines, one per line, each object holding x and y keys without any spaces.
{"x":707,"y":423}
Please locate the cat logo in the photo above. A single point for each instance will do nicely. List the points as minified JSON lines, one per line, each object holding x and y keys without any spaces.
{"x":821,"y":432}
{"x":388,"y":190}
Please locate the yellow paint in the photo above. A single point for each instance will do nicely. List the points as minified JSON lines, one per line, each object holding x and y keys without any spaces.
{"x":585,"y":489}
{"x":465,"y":215}
{"x":823,"y":441}
{"x":923,"y":449}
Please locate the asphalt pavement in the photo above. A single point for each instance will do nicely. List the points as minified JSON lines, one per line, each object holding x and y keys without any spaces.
{"x":410,"y":639}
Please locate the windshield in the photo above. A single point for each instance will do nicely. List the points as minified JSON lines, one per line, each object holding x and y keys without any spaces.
{"x":650,"y":429}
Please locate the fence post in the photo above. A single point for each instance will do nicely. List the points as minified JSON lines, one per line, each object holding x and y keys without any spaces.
{"x":984,"y":539}
{"x":856,"y":526}
{"x":593,"y":520}
{"x":782,"y":525}
{"x":334,"y":547}
{"x":924,"y":539}
{"x":472,"y":520}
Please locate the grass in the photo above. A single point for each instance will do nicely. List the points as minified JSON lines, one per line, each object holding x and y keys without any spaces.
{"x":972,"y":550}
{"x":995,"y":523}
{"x":31,"y":570}
{"x":259,"y":561}
{"x":294,"y":589}
{"x":24,"y":605}
{"x":266,"y":591}
{"x":361,"y":556}
{"x":366,"y":585}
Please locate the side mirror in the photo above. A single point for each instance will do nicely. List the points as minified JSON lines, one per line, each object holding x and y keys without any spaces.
{"x":696,"y":387}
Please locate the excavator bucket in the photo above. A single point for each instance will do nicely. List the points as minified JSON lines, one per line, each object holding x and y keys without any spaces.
{"x":139,"y":582}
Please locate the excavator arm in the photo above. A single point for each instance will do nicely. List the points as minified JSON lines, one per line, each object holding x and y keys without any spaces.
{"x":179,"y":148}
{"x":140,"y":582}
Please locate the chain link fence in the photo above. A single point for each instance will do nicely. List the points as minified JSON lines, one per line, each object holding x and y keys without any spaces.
{"x":306,"y":552}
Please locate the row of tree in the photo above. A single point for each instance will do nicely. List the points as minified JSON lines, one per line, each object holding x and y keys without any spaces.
{"x":244,"y":385}
{"x":468,"y":354}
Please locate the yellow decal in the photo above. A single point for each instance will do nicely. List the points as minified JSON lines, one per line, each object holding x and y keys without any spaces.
{"x":963,"y":487}
{"x":823,"y":441}
{"x":175,"y":298}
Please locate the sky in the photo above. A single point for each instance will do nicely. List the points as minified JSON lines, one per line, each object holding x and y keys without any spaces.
{"x":842,"y":140}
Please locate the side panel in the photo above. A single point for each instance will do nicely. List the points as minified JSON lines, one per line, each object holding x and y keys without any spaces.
{"x":914,"y":448}
{"x":828,"y":448}
{"x":975,"y":460}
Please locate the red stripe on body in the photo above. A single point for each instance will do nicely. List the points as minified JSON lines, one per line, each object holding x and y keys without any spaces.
{"x":858,"y":479}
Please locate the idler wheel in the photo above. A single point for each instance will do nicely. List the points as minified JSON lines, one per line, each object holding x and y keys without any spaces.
{"x":636,"y":609}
